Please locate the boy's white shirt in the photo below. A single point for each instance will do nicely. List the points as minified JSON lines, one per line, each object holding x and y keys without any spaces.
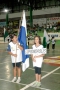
{"x":39,"y":60}
{"x":53,"y":41}
{"x":15,"y":50}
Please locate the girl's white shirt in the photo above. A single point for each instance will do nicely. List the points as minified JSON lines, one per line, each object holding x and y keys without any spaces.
{"x":39,"y":60}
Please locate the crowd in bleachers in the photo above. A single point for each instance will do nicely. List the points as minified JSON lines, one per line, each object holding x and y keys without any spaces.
{"x":50,"y":27}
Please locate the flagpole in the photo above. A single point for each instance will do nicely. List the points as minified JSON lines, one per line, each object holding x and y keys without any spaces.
{"x":20,"y":23}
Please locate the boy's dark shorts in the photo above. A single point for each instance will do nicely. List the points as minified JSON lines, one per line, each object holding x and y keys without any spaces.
{"x":17,"y":64}
{"x":53,"y":46}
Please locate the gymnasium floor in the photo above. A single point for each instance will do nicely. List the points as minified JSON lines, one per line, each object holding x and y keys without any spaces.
{"x":50,"y":73}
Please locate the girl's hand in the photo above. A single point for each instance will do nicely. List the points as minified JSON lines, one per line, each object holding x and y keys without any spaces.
{"x":15,"y":55}
{"x":35,"y":56}
{"x":34,"y":59}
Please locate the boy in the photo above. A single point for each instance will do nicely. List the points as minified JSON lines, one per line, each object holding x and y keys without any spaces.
{"x":15,"y":50}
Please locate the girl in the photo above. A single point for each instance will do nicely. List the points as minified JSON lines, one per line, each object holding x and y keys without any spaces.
{"x":37,"y":60}
{"x":15,"y":50}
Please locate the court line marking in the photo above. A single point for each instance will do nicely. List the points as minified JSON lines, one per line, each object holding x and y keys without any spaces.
{"x":57,"y":73}
{"x":29,"y":85}
{"x":44,"y":71}
{"x":38,"y":88}
{"x":12,"y":82}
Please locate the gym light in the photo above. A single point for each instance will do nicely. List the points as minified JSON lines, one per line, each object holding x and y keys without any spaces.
{"x":6,"y":10}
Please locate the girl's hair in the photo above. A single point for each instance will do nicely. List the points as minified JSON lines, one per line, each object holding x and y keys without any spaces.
{"x":38,"y":38}
{"x":12,"y":36}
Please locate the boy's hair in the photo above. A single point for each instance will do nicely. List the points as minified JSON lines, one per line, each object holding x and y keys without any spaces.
{"x":12,"y":36}
{"x":52,"y":36}
{"x":38,"y":38}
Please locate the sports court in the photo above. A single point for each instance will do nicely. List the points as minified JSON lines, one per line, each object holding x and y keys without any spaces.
{"x":26,"y":19}
{"x":50,"y":73}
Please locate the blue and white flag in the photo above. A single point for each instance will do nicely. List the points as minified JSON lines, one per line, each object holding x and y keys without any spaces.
{"x":23,"y":41}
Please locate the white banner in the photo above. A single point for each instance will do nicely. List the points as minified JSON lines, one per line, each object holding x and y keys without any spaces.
{"x":56,"y":35}
{"x":36,"y":51}
{"x":53,"y":19}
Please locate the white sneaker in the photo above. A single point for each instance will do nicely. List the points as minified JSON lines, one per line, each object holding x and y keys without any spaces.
{"x":38,"y":84}
{"x":14,"y":79}
{"x":18,"y":80}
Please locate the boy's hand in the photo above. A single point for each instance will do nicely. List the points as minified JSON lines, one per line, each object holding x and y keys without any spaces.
{"x":17,"y":43}
{"x":19,"y":46}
